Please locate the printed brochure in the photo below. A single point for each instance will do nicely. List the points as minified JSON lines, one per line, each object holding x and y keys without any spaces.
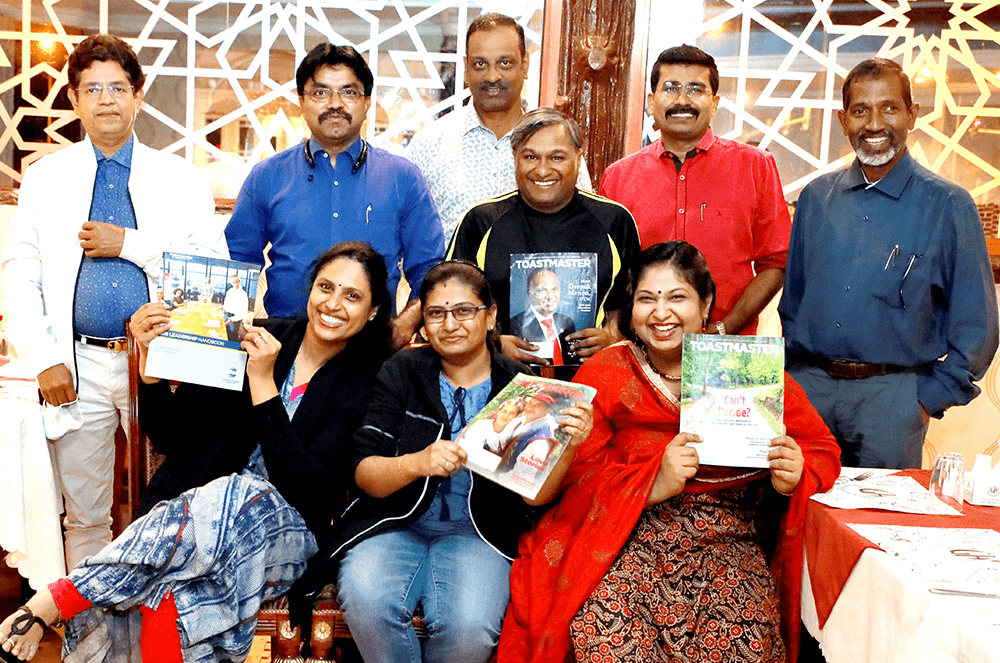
{"x":209,"y":300}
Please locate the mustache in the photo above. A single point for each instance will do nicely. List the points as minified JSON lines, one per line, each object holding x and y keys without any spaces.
{"x":682,"y":109}
{"x":486,"y":86}
{"x":335,"y":112}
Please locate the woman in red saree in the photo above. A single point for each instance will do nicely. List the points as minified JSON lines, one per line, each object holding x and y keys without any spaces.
{"x":647,"y":556}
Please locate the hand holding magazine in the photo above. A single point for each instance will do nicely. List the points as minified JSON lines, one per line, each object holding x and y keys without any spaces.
{"x":516,"y":439}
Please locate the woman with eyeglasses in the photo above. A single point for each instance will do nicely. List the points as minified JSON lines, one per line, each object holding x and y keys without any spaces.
{"x":426,"y":532}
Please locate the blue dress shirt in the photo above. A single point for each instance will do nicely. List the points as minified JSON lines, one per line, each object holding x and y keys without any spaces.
{"x":303,"y":210}
{"x":109,"y":290}
{"x":450,"y":508}
{"x":895,"y":272}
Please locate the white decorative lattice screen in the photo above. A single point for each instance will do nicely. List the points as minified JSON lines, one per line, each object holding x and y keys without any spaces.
{"x":782,"y":64}
{"x":220,"y":88}
{"x":220,"y":75}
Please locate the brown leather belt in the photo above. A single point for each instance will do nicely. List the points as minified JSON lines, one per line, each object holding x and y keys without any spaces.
{"x":851,"y":370}
{"x":116,"y":344}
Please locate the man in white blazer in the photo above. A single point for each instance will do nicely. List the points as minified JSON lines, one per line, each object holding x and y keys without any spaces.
{"x":83,"y":252}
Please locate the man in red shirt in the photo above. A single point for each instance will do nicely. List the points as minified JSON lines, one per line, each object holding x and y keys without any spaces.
{"x":722,"y":196}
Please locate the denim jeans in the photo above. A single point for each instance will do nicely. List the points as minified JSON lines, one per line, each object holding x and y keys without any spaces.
{"x":462,"y":583}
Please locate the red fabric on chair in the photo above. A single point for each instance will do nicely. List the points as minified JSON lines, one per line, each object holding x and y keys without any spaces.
{"x":160,"y":642}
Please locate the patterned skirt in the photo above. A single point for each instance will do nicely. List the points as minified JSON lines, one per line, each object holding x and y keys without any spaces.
{"x":691,"y":584}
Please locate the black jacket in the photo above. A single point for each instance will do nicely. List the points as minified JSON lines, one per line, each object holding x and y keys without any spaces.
{"x":206,"y":432}
{"x":407,"y":415}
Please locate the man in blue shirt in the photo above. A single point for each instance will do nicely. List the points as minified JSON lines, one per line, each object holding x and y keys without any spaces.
{"x":83,"y":253}
{"x":889,"y":309}
{"x":332,"y":188}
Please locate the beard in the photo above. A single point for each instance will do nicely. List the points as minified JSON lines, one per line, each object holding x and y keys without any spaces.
{"x":879,"y":158}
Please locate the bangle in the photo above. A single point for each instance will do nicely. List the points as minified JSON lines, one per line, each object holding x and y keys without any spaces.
{"x":720,"y":327}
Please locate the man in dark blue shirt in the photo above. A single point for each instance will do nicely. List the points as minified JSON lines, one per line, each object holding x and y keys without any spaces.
{"x":332,"y":188}
{"x":889,"y":309}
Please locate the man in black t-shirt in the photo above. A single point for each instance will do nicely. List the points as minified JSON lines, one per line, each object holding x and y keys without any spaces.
{"x":547,"y":214}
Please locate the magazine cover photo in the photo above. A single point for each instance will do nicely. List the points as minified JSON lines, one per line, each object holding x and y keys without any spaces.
{"x":208,"y":298}
{"x":552,"y":295}
{"x":732,"y":395}
{"x":516,"y":440}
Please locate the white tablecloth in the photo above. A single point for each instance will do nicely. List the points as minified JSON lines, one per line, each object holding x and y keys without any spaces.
{"x":886,"y":615}
{"x":29,"y":505}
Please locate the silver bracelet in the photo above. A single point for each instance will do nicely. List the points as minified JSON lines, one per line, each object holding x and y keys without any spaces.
{"x":720,"y":327}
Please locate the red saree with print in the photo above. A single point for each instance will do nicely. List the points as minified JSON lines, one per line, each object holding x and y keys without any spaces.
{"x":565,"y":557}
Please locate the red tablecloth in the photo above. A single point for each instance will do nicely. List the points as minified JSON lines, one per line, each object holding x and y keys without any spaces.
{"x":833,"y":548}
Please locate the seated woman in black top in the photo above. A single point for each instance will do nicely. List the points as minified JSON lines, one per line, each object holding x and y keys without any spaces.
{"x":426,"y":531}
{"x":270,"y":463}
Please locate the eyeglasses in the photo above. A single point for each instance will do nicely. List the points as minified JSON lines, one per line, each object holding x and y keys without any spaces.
{"x":349,"y":95}
{"x":542,"y":292}
{"x":693,"y":90}
{"x":94,"y":90}
{"x":436,"y":315}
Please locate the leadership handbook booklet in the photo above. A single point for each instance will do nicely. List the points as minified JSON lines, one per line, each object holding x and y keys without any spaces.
{"x":516,"y":440}
{"x":732,"y":395}
{"x":209,"y":300}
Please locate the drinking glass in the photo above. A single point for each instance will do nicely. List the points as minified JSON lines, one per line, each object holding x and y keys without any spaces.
{"x":948,"y":478}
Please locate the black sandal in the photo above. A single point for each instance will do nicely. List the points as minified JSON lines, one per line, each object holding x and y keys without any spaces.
{"x":20,"y":626}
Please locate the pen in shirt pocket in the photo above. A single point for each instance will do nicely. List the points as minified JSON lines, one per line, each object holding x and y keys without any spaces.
{"x":902,"y":281}
{"x":891,"y":258}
